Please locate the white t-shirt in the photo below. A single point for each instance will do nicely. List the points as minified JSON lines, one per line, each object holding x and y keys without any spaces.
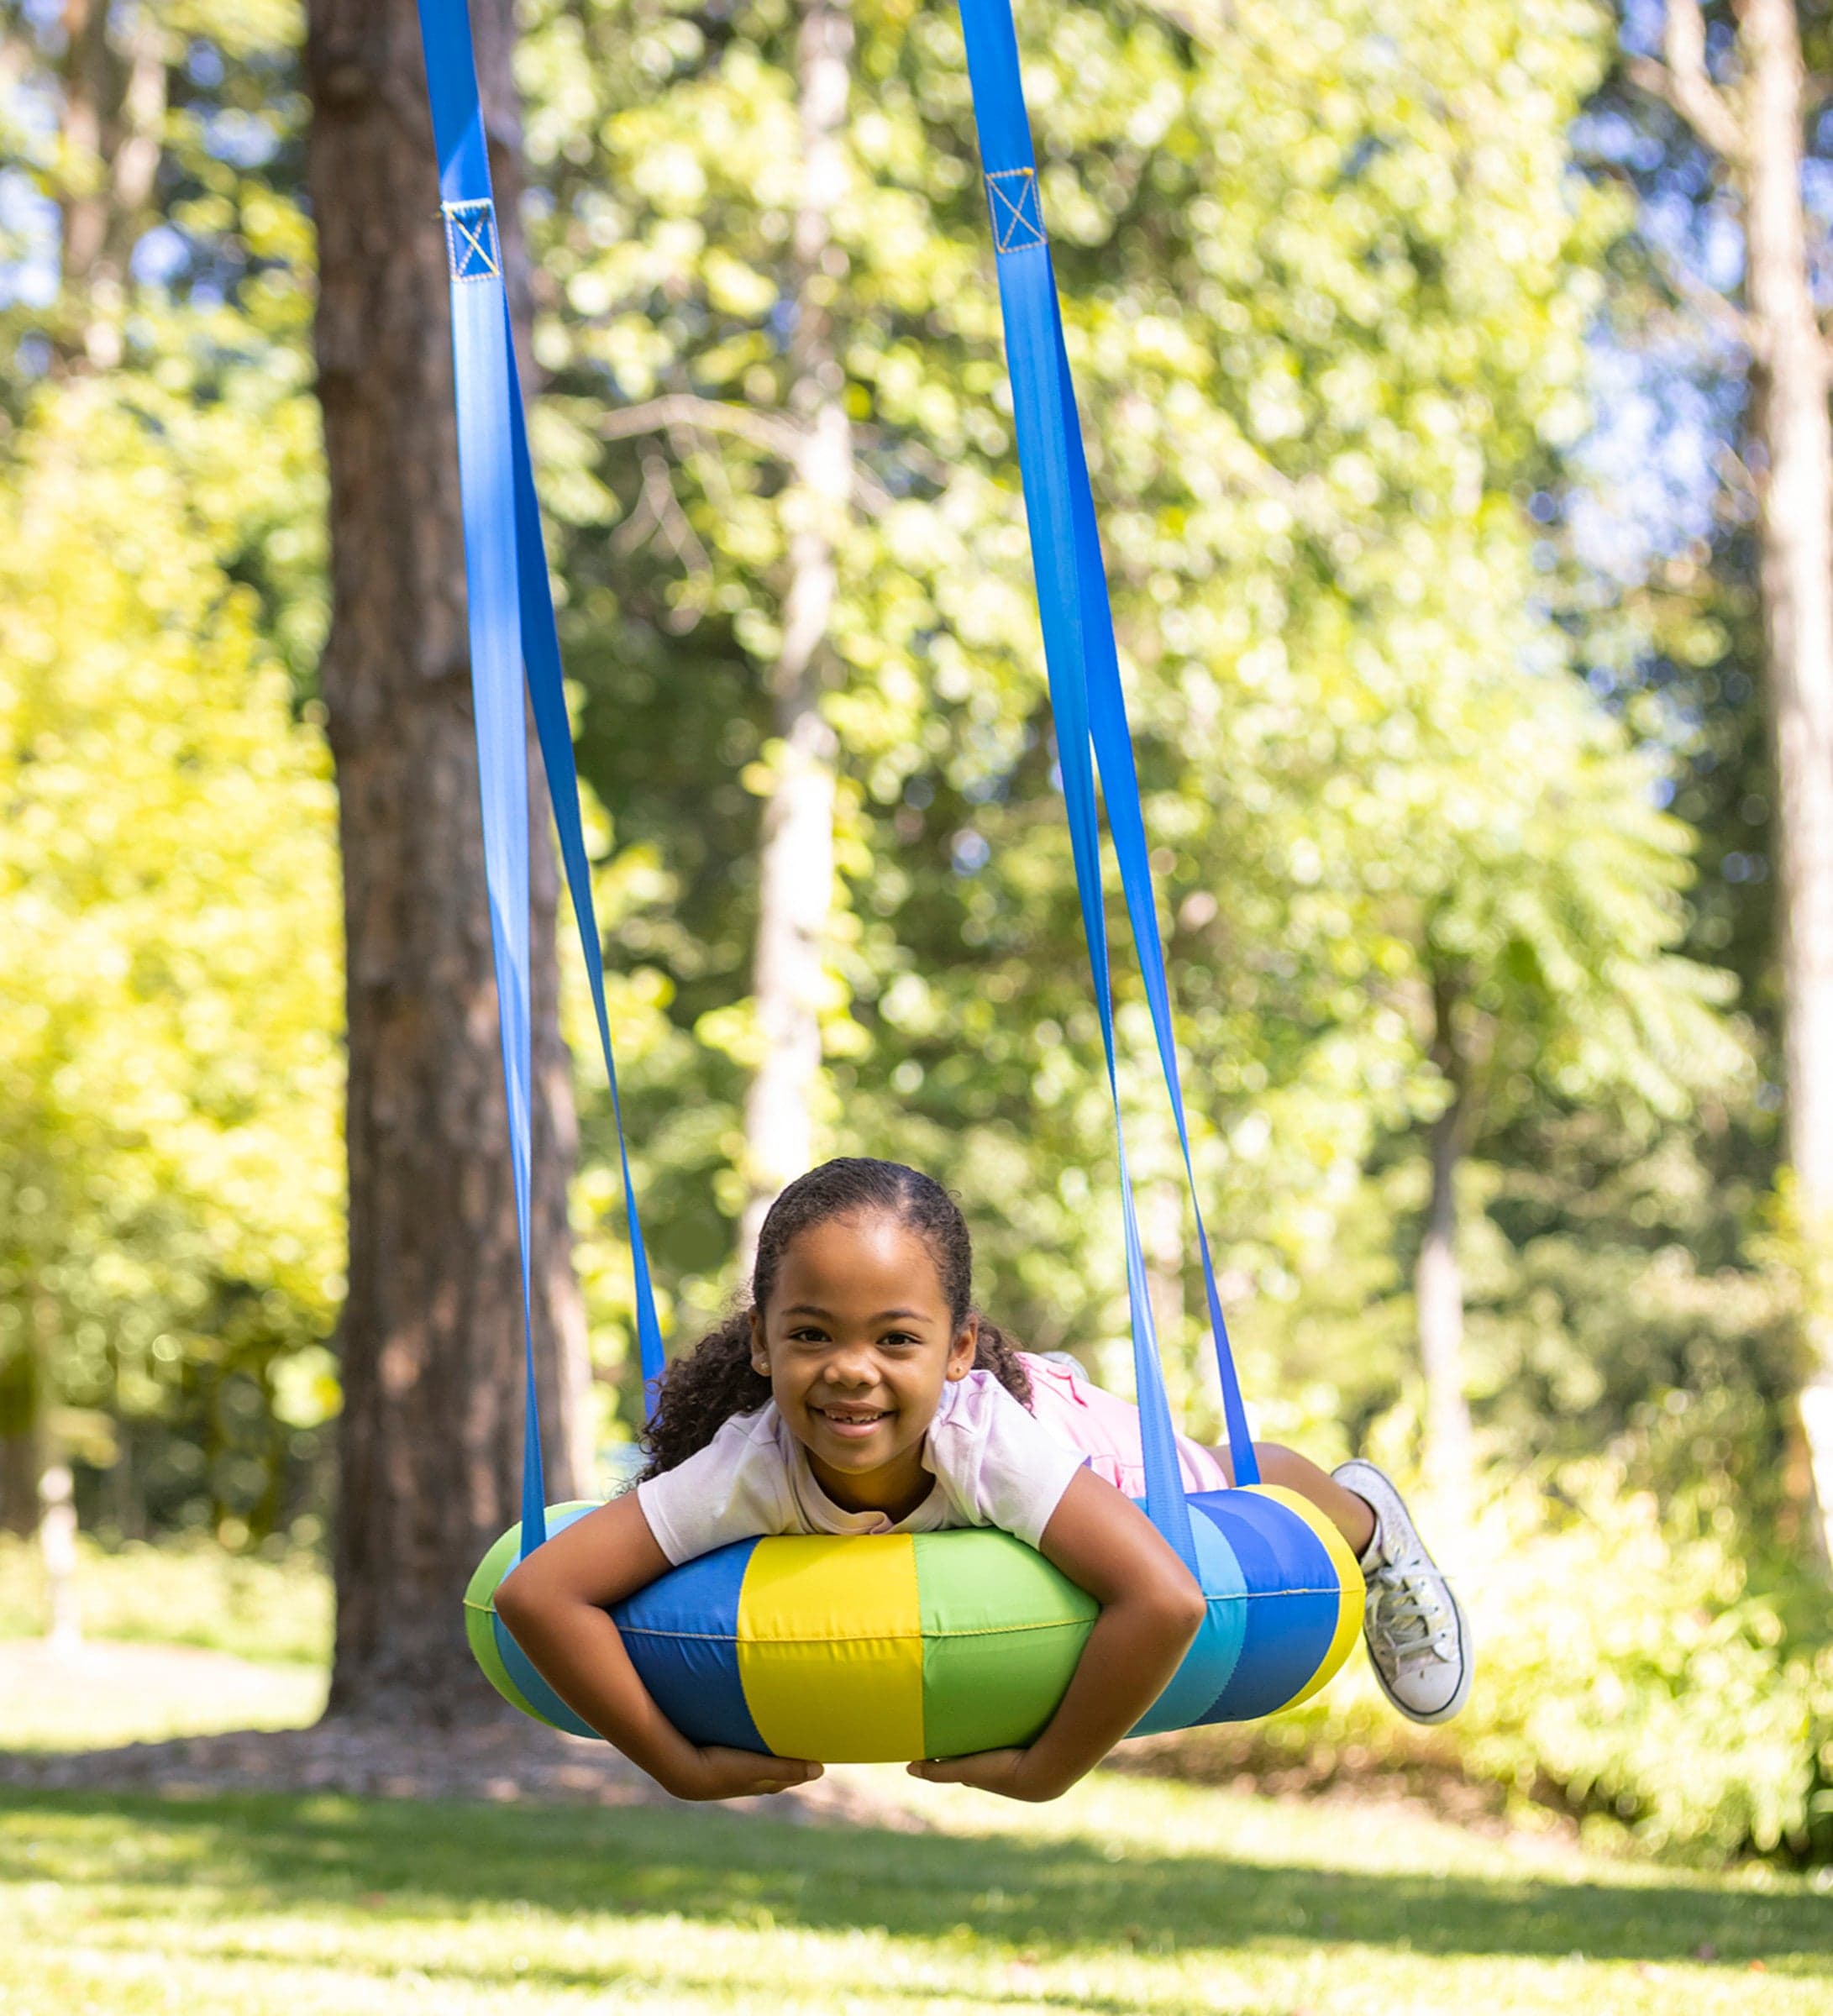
{"x":994,"y":1466}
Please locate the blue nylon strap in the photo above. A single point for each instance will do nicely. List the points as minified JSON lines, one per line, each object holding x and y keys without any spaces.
{"x":1126,"y":820}
{"x":511,"y":622}
{"x":486,"y":491}
{"x":1022,"y":272}
{"x":1086,"y":695}
{"x":510,"y":615}
{"x":541,"y":652}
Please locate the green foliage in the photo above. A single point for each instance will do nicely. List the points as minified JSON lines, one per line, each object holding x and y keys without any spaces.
{"x":1612,"y":1297}
{"x":1670,"y":1699}
{"x":1637,"y":1666}
{"x":169,"y":1070}
{"x":169,"y":1063}
{"x":1327,"y":279}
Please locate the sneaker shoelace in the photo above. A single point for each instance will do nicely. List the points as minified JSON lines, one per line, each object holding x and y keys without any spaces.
{"x":1407,"y":1616}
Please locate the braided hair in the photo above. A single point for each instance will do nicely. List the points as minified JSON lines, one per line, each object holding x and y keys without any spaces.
{"x":701,"y":1391}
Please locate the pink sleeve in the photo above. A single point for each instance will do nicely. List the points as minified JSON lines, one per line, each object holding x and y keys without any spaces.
{"x":734,"y":1488}
{"x":1007,"y":1469}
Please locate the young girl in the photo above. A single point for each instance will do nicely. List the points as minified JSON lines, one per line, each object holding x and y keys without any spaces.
{"x":861,"y":1393}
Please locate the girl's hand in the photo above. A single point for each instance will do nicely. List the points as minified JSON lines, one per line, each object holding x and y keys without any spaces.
{"x":1009,"y":1772}
{"x":1151,"y":1609}
{"x":712,"y":1771}
{"x":557,"y":1606}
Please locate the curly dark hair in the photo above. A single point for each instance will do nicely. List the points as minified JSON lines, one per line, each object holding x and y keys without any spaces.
{"x":701,"y":1391}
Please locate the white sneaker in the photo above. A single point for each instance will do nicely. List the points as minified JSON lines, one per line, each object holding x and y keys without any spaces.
{"x":1418,"y":1637}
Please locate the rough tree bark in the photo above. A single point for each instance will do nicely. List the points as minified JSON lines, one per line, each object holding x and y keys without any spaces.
{"x":796,"y":862}
{"x":429,"y":1440}
{"x":1438,"y":1287}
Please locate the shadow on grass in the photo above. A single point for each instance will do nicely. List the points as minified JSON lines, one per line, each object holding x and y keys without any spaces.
{"x":1043,"y":1897}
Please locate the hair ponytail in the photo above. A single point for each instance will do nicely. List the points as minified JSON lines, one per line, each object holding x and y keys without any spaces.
{"x":998,"y":1354}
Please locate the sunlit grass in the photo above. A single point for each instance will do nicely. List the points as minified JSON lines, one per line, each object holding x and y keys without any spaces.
{"x":179,"y":1640}
{"x":103,"y":1694}
{"x":1125,"y":1896}
{"x":180,"y":1592}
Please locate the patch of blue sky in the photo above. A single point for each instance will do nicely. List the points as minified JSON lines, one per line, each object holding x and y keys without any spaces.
{"x":204,"y":64}
{"x":1609,"y":133}
{"x":1642,"y":25}
{"x":1643,"y":21}
{"x":1647,"y":472}
{"x":1817,"y":196}
{"x":32,"y":111}
{"x":244,"y":140}
{"x":970,"y":852}
{"x":160,"y":256}
{"x":1665,"y":410}
{"x":28,"y":230}
{"x":1706,"y":242}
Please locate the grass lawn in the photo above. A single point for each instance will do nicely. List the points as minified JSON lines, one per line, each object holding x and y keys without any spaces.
{"x":1125,"y":1896}
{"x":108,"y":1693}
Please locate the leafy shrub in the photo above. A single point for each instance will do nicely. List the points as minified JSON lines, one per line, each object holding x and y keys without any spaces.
{"x":1629,"y":1670}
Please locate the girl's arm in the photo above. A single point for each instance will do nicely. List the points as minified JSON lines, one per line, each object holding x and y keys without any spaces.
{"x":555,"y":1604}
{"x":1151,"y":1610}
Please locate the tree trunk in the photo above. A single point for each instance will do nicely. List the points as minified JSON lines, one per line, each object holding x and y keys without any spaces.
{"x":113,"y":105}
{"x":22,"y":1459}
{"x":1438,"y":1288}
{"x":1795,"y":534}
{"x":796,"y":864}
{"x":37,"y":1490}
{"x":89,"y":85}
{"x":57,"y":1551}
{"x":429,"y":1438}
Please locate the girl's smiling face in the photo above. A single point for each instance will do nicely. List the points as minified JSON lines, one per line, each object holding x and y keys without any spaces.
{"x":858,"y":1343}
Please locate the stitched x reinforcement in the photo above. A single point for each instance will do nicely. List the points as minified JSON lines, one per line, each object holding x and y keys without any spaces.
{"x":471,"y":237}
{"x":1011,"y":195}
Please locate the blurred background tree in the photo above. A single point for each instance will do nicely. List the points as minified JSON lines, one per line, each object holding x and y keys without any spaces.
{"x":1740,"y":103}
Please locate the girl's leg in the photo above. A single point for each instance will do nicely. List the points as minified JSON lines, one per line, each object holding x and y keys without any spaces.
{"x":1418,"y":1637}
{"x":1352,"y":1515}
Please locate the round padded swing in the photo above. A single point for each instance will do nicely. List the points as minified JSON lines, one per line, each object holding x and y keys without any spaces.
{"x":889,"y":1647}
